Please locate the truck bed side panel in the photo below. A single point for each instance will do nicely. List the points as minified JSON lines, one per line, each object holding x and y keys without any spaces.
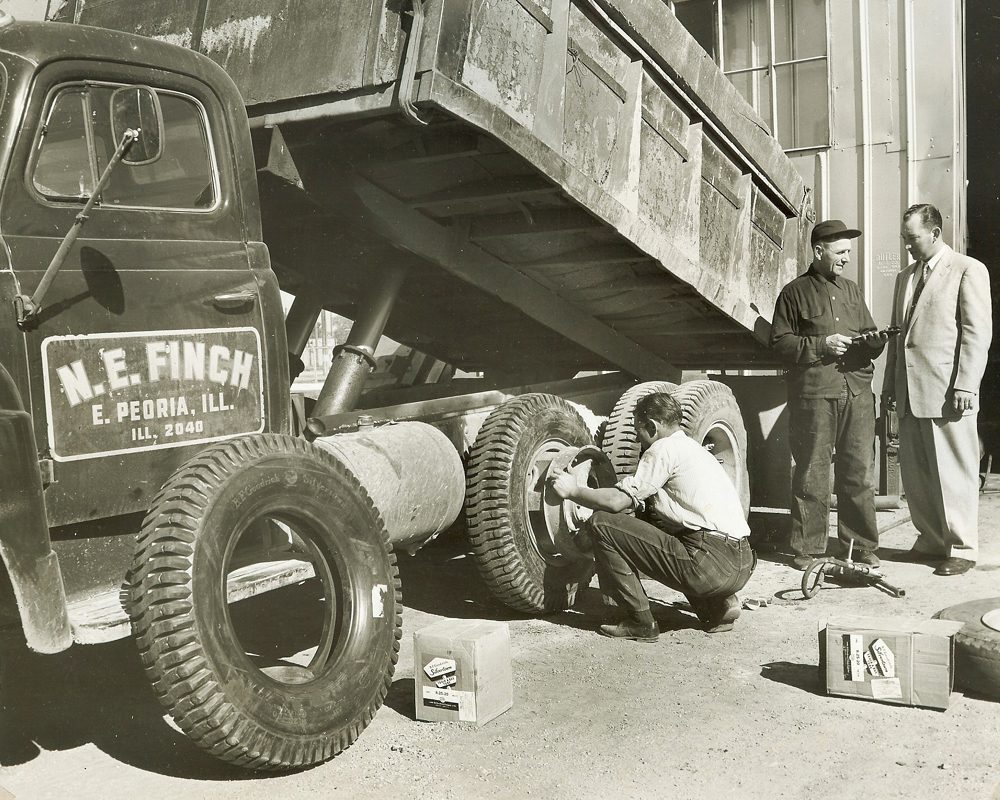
{"x":273,"y":49}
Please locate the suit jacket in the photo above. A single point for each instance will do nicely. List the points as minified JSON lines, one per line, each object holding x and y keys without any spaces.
{"x":944,"y":344}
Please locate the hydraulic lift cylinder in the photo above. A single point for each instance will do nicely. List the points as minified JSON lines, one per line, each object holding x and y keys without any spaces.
{"x":354,"y":360}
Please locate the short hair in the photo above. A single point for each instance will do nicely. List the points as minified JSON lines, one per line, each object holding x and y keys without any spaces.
{"x":826,"y":244}
{"x":929,"y":216}
{"x":660,"y":407}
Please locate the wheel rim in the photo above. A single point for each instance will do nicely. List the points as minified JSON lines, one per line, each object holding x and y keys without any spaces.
{"x":720,"y":441}
{"x":556,"y":522}
{"x":305,"y":617}
{"x":991,"y":619}
{"x":544,"y":541}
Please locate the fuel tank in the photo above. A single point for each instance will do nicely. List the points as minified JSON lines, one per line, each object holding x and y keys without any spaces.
{"x":413,"y":474}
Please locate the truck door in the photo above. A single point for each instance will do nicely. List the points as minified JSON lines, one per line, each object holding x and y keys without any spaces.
{"x":149,"y":341}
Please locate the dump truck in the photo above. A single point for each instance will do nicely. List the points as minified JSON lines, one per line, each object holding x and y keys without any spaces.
{"x":565,"y":200}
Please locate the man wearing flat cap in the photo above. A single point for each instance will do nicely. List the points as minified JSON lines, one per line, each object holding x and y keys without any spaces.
{"x":825,"y":334}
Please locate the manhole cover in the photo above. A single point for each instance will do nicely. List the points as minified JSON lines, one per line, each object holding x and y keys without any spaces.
{"x":991,"y":619}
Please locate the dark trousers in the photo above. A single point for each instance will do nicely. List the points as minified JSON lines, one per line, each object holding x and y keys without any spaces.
{"x":697,"y":563}
{"x":816,"y":428}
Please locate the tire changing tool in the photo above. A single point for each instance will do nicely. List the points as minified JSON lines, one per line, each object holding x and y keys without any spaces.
{"x":845,"y":571}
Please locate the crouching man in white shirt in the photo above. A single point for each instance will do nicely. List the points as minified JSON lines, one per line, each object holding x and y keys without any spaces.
{"x":692,"y":535}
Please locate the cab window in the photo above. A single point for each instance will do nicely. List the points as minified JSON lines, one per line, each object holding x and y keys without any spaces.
{"x":76,"y":143}
{"x":63,"y":169}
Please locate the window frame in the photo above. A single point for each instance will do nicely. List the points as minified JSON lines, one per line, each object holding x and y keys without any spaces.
{"x":60,"y":202}
{"x":770,"y":68}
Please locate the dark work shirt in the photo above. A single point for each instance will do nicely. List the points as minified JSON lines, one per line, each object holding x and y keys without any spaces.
{"x":809,"y":309}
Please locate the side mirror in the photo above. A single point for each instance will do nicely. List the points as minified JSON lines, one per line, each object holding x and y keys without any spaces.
{"x":138,"y":108}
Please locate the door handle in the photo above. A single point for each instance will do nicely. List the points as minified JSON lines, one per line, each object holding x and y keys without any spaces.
{"x":231,"y":300}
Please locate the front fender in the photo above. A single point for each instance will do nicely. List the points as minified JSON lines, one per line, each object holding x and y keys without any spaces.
{"x":25,"y":546}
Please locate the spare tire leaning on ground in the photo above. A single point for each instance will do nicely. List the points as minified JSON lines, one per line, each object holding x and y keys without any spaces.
{"x":977,"y":646}
{"x":220,"y":671}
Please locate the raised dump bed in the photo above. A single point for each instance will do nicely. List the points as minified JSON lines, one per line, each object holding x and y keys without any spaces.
{"x":568,"y":184}
{"x":529,"y":189}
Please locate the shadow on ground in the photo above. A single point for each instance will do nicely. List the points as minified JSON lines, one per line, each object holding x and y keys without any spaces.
{"x":93,"y":694}
{"x":442,"y":579}
{"x":400,"y":697}
{"x":800,"y":676}
{"x":589,"y":612}
{"x":99,"y":694}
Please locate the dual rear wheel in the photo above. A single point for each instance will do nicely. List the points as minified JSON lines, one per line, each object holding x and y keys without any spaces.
{"x":511,"y":536}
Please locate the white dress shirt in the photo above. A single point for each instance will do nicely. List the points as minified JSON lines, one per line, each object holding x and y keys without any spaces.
{"x":912,"y":285}
{"x":685,"y":487}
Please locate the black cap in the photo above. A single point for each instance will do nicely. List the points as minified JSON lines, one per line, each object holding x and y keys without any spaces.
{"x":832,"y":230}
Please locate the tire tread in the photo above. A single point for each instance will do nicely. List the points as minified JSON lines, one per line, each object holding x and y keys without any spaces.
{"x":166,"y":628}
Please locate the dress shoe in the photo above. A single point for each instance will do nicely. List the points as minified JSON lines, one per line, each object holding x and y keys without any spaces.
{"x":722,"y":613}
{"x":914,"y":556}
{"x":865,"y":557}
{"x":954,"y":566}
{"x":636,"y":631}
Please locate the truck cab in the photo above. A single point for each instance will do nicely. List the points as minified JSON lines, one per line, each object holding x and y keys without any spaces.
{"x":160,"y":327}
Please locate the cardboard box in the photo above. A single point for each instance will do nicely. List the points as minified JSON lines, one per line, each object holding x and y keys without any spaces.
{"x":905,"y":661}
{"x":462,"y":671}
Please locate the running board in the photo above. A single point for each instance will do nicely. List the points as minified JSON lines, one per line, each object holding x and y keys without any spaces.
{"x":102,"y":618}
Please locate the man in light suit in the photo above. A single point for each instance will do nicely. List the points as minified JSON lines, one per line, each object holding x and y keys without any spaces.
{"x":934,"y":367}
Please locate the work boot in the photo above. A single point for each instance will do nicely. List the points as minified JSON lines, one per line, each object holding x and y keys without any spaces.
{"x":717,"y":613}
{"x":637,"y":631}
{"x":721,"y":613}
{"x":701,"y":606}
{"x":865,"y":557}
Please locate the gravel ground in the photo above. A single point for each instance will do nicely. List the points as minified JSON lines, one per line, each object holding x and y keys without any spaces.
{"x":737,"y":715}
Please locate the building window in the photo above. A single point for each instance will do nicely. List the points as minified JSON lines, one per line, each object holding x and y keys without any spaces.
{"x":775,"y":53}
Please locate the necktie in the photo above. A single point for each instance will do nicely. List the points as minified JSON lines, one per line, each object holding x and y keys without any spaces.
{"x":918,"y":288}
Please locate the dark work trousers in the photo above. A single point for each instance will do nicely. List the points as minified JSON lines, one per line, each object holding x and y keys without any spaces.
{"x":697,"y":563}
{"x":817,"y":427}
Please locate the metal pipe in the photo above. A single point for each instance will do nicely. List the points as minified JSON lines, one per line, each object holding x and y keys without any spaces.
{"x":960,"y":231}
{"x":719,"y":33}
{"x":867,"y":218}
{"x":300,"y":323}
{"x":911,"y":113}
{"x":773,"y":76}
{"x":368,"y":327}
{"x":409,"y":71}
{"x":354,"y":361}
{"x":744,"y":70}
